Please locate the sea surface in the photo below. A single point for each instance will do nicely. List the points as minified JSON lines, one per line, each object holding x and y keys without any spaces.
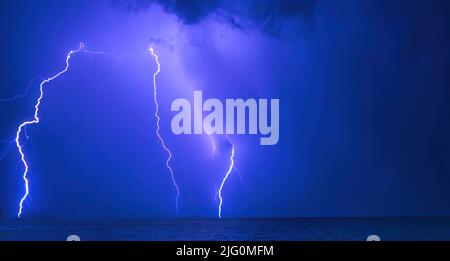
{"x":292,"y":229}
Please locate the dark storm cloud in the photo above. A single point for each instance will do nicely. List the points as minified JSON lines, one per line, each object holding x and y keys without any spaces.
{"x":268,"y":15}
{"x":189,"y":12}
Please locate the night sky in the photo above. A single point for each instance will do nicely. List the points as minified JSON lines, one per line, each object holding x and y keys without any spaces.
{"x":364,"y":113}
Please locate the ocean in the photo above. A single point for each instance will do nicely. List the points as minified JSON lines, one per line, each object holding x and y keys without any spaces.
{"x":259,"y":229}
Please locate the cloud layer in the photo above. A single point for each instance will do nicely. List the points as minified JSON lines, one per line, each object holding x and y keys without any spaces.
{"x":269,"y":15}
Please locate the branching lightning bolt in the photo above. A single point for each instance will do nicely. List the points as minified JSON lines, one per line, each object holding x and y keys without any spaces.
{"x":163,"y":144}
{"x":213,"y":144}
{"x":227,"y":174}
{"x":20,"y":96}
{"x":36,"y":120}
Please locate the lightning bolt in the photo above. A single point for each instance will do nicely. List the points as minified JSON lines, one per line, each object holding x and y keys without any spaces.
{"x":36,"y":120}
{"x":227,"y":174}
{"x":23,"y":126}
{"x":12,"y":99}
{"x":163,"y":144}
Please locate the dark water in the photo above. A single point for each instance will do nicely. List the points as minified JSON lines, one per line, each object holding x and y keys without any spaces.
{"x":230,"y":229}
